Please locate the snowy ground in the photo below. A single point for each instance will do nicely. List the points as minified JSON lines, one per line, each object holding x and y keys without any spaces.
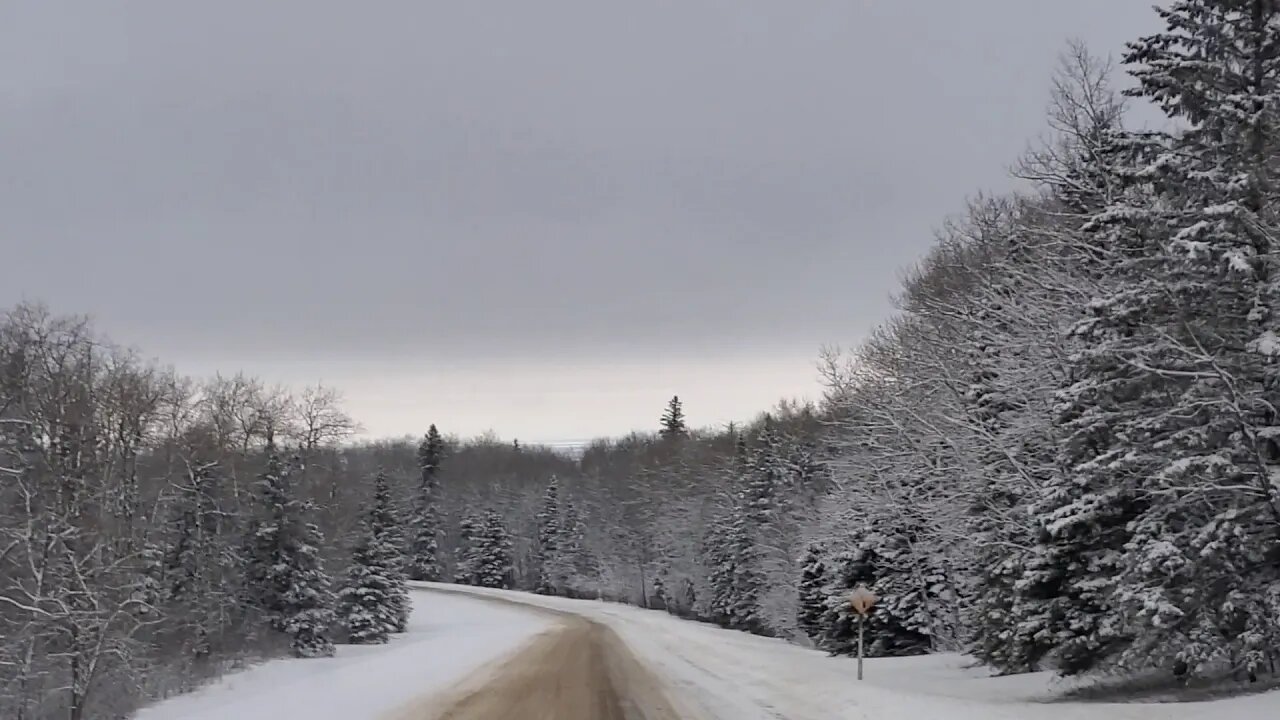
{"x":713,"y":673}
{"x":449,"y":637}
{"x":706,"y":673}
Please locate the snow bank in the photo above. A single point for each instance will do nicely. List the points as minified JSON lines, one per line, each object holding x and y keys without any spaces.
{"x":448,"y":638}
{"x":716,"y":673}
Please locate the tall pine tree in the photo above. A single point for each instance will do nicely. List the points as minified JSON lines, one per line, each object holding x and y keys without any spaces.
{"x":720,"y":558}
{"x":374,"y":600}
{"x":1017,"y":608}
{"x":491,"y":555}
{"x":285,"y":578}
{"x":812,"y":592}
{"x":1203,"y":562}
{"x":367,"y":605}
{"x":196,"y":561}
{"x":574,"y":568}
{"x":1160,"y":533}
{"x":754,"y":527}
{"x":673,"y":424}
{"x":550,"y":541}
{"x":470,"y":542}
{"x":424,"y":523}
{"x":388,"y":534}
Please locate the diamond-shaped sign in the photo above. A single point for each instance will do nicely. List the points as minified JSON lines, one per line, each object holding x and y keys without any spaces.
{"x":862,"y":600}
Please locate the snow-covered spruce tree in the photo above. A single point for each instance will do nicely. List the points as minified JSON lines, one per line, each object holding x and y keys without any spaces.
{"x":813,"y":591}
{"x":752,"y":529}
{"x":798,"y":479}
{"x":492,"y":553}
{"x":748,"y":581}
{"x":1201,"y":571}
{"x":1110,"y":411}
{"x":1111,"y":406}
{"x":1043,"y":274}
{"x":1158,"y":532}
{"x":196,"y":561}
{"x":726,"y":544}
{"x":373,"y":601}
{"x":573,"y":570}
{"x":388,"y":539}
{"x":424,"y":523}
{"x":881,"y":560}
{"x":998,"y":495}
{"x":721,"y":559}
{"x":547,"y":556}
{"x":470,"y":530}
{"x":284,"y":578}
{"x":260,"y":587}
{"x":367,"y":607}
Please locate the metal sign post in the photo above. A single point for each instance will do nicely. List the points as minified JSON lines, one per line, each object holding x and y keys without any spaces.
{"x":862,"y":620}
{"x":862,"y":600}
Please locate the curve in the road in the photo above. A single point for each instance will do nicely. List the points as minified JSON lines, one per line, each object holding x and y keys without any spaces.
{"x":580,"y":670}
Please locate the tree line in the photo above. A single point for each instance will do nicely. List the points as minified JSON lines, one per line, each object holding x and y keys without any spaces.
{"x":157,"y":531}
{"x":1062,"y":451}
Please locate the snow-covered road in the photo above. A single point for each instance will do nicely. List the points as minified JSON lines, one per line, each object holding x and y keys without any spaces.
{"x":467,"y":656}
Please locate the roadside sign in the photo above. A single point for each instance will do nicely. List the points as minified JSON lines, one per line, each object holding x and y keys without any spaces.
{"x":862,"y":600}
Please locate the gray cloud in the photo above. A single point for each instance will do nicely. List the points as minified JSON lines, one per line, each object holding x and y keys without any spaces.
{"x":516,"y":179}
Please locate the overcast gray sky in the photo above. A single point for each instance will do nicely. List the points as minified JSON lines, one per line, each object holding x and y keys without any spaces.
{"x":539,"y":217}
